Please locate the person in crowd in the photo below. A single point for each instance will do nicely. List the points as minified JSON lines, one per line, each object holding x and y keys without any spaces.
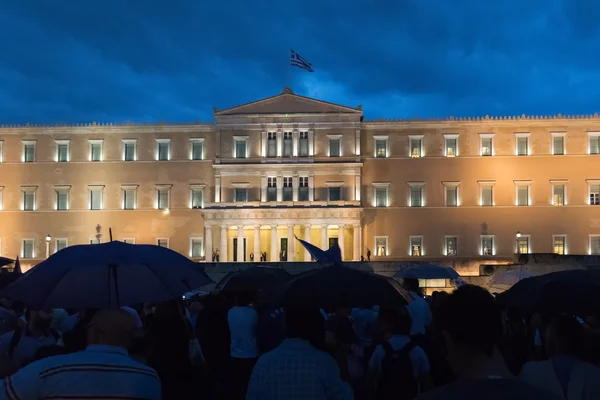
{"x":170,"y":357}
{"x":364,"y":324}
{"x":339,"y":338}
{"x":18,"y":347}
{"x":103,"y":370}
{"x":514,"y":346}
{"x":58,"y":321}
{"x":419,"y":310}
{"x":76,"y":338}
{"x":398,"y":368}
{"x":10,"y":315}
{"x":242,"y":320}
{"x":296,"y":369}
{"x":564,"y":373}
{"x":469,"y":325}
{"x":270,"y":331}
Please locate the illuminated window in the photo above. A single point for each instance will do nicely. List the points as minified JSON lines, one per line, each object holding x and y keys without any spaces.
{"x":62,"y":197}
{"x":416,"y":194}
{"x":451,"y":146}
{"x":381,"y":146}
{"x":287,"y":144}
{"x":197,"y":196}
{"x":558,"y":143}
{"x":163,"y":149}
{"x":272,"y":188}
{"x":96,"y":197}
{"x":381,"y":196}
{"x":486,"y":144}
{"x":29,"y":150}
{"x":62,"y":150}
{"x":415,"y":146}
{"x":287,"y":188}
{"x":28,"y":248}
{"x":381,"y":246}
{"x":29,"y":197}
{"x":129,"y":197}
{"x":595,"y":244}
{"x":416,"y":246}
{"x":303,"y":144}
{"x":272,"y":144}
{"x":594,"y":142}
{"x":451,"y":245}
{"x":240,"y":195}
{"x":163,"y":198}
{"x":523,"y":244}
{"x":129,"y":240}
{"x":96,"y":149}
{"x":129,"y":149}
{"x":522,"y":194}
{"x":451,"y":193}
{"x":335,"y":146}
{"x":594,"y":189}
{"x":240,"y":146}
{"x":60,"y":244}
{"x":196,"y":247}
{"x":487,"y":245}
{"x":559,"y":197}
{"x":334,"y":193}
{"x":303,"y":188}
{"x":197,"y":148}
{"x":522,"y":144}
{"x":559,"y":244}
{"x":486,"y":195}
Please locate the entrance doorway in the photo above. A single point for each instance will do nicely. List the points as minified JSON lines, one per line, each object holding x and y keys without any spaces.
{"x":283,"y":254}
{"x":332,"y":241}
{"x":235,"y":247}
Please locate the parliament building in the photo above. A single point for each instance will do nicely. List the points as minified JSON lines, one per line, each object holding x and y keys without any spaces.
{"x":242,"y":187}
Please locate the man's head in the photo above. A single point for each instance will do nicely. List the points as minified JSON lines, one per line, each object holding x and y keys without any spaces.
{"x":564,"y":336}
{"x":304,"y":323}
{"x":410,"y":284}
{"x":114,"y":327}
{"x":470,"y":326}
{"x":39,"y":320}
{"x":394,"y":322}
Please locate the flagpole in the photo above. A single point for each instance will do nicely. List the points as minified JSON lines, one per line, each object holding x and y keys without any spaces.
{"x":288,"y":77}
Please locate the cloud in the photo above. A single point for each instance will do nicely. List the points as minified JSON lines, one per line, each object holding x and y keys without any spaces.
{"x":149,"y":60}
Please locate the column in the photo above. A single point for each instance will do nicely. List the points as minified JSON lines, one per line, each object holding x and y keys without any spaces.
{"x":223,"y":250}
{"x":357,"y":143}
{"x":240,"y":244}
{"x":295,"y":186}
{"x":295,"y":143}
{"x":311,"y":187}
{"x":356,"y":243}
{"x":274,"y":247}
{"x":208,"y":250}
{"x":290,"y":251}
{"x":263,"y":187}
{"x":311,"y":139}
{"x":217,"y":188}
{"x":263,"y":147}
{"x":257,"y":243}
{"x":279,"y":187}
{"x":357,"y":186}
{"x":279,"y":143}
{"x":341,"y":239}
{"x":307,"y":239}
{"x":324,"y":237}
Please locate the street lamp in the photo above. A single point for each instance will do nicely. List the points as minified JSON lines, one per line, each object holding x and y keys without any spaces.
{"x":518,"y":242}
{"x":48,"y":239}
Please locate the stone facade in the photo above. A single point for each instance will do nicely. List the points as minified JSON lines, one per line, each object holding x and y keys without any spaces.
{"x":453,"y":190}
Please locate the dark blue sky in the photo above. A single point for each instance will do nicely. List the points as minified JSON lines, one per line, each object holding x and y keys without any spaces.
{"x":152,"y":60}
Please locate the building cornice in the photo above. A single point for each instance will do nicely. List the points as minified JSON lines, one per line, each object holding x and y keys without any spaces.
{"x":107,"y":128}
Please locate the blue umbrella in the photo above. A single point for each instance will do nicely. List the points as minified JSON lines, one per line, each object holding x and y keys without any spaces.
{"x":107,"y":275}
{"x":427,"y":271}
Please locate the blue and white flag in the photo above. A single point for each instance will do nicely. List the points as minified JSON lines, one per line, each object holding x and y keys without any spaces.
{"x":332,"y":255}
{"x":297,"y":60}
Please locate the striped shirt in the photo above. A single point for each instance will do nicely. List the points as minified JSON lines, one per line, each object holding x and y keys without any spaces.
{"x":99,"y":372}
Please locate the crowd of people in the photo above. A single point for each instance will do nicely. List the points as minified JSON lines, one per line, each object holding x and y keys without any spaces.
{"x":460,"y":345}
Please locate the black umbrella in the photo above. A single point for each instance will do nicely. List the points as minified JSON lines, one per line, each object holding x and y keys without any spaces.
{"x":253,"y":279}
{"x":5,"y":261}
{"x":571,"y":291}
{"x":342,"y":286}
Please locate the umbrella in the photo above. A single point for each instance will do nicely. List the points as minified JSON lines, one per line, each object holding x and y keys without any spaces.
{"x":507,"y":279}
{"x":571,"y":291}
{"x":427,"y":271}
{"x":107,"y":275}
{"x":253,"y":279}
{"x":342,"y":286}
{"x":5,"y":261}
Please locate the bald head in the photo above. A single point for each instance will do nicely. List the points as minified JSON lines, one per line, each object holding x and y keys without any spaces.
{"x":114,"y":327}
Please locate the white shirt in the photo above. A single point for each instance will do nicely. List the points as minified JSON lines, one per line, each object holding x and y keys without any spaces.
{"x":242,"y":326}
{"x":419,"y":313}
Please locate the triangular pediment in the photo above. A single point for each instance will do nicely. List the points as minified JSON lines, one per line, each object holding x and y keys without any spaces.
{"x":288,"y":103}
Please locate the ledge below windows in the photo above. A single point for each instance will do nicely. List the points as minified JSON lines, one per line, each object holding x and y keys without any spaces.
{"x":285,"y":204}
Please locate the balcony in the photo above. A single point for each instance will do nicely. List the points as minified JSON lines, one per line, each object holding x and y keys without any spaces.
{"x":286,"y":204}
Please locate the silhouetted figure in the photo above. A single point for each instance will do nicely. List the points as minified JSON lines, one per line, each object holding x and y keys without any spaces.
{"x":368,"y":255}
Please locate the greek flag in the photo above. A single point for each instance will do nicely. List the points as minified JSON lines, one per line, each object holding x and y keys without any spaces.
{"x":297,"y":61}
{"x":332,"y":255}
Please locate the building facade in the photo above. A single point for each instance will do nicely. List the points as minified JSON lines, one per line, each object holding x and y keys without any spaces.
{"x":242,"y":187}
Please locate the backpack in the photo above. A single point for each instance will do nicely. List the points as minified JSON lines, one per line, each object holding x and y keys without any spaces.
{"x":397,"y":379}
{"x":18,"y":334}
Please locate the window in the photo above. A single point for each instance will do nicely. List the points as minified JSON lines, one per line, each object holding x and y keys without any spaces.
{"x":287,"y":188}
{"x":129,"y":149}
{"x":271,"y":188}
{"x":163,"y":149}
{"x":451,"y":145}
{"x":594,"y":194}
{"x":129,"y":240}
{"x":197,"y":196}
{"x":595,"y":244}
{"x":523,"y":244}
{"x":29,"y":150}
{"x":381,"y":195}
{"x":451,"y":245}
{"x":416,"y":146}
{"x":487,"y":144}
{"x":272,"y":144}
{"x":287,"y":144}
{"x":241,"y":195}
{"x":96,"y":149}
{"x":28,"y":248}
{"x":522,"y":144}
{"x":129,"y":197}
{"x":381,"y":146}
{"x":162,"y":242}
{"x":381,"y":246}
{"x":559,"y":244}
{"x":303,"y":144}
{"x":416,"y":194}
{"x":334,"y":193}
{"x":559,"y":194}
{"x":196,"y":247}
{"x":29,"y":198}
{"x":416,"y":246}
{"x":96,"y":197}
{"x":487,"y":245}
{"x":62,"y":150}
{"x":558,"y":143}
{"x":522,"y":194}
{"x":241,"y":146}
{"x":451,"y":189}
{"x":335,"y":146}
{"x":162,"y":198}
{"x":594,"y":142}
{"x":60,"y":244}
{"x":487,"y":193}
{"x":1,"y":150}
{"x":197,"y":149}
{"x":303,"y":188}
{"x":62,"y":197}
